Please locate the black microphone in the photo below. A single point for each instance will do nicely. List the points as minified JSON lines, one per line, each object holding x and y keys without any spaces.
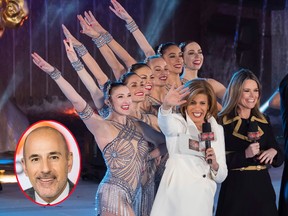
{"x":207,"y":135}
{"x":253,"y":133}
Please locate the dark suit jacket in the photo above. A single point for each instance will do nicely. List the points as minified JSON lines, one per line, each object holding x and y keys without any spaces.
{"x":31,"y":192}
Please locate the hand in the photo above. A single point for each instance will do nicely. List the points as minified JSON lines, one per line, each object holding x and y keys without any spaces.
{"x":252,"y":150}
{"x":158,"y":160}
{"x":174,"y":97}
{"x":68,"y":35}
{"x":90,"y":19}
{"x":71,"y":54}
{"x":120,"y":11}
{"x":267,"y":156}
{"x":41,"y":63}
{"x":87,"y":28}
{"x":210,"y":154}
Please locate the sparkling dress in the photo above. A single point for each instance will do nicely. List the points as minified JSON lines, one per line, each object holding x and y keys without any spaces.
{"x":152,"y":105}
{"x":155,"y":104}
{"x":148,"y":177}
{"x":120,"y":190}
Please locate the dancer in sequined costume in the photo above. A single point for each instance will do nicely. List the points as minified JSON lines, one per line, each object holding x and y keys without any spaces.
{"x":124,"y":147}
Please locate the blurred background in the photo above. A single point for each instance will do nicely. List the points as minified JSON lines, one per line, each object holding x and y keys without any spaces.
{"x":233,"y":34}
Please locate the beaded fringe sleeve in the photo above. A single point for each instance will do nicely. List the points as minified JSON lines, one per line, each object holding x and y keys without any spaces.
{"x":86,"y":113}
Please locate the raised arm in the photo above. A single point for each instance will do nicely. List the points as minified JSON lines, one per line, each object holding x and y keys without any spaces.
{"x":107,"y":53}
{"x":95,"y":92}
{"x":174,"y":97}
{"x":83,"y":53}
{"x":111,"y":42}
{"x":94,"y":122}
{"x":166,"y":119}
{"x":132,"y":27}
{"x":218,"y":88}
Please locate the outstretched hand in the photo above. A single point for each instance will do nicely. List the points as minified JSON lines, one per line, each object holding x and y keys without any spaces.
{"x":71,"y":54}
{"x":174,"y":97}
{"x":68,"y":35}
{"x":87,"y":28}
{"x":91,"y":20}
{"x":120,"y":11}
{"x":41,"y":63}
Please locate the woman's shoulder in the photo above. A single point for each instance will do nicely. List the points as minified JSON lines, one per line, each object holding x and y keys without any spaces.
{"x":214,"y":123}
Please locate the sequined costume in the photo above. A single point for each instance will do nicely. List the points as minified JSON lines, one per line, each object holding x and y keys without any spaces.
{"x":155,"y":104}
{"x":148,"y":187}
{"x":183,"y":80}
{"x":152,"y":105}
{"x":120,"y":190}
{"x":148,"y":177}
{"x":104,"y":111}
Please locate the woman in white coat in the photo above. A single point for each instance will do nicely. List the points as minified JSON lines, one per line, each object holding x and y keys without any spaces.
{"x":189,"y":182}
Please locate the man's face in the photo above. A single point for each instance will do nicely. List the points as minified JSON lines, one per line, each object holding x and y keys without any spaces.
{"x":46,"y":163}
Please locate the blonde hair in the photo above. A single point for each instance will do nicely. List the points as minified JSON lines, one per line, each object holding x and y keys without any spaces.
{"x":200,"y":86}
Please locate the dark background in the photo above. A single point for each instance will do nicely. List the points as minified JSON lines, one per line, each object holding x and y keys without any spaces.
{"x":232,"y":33}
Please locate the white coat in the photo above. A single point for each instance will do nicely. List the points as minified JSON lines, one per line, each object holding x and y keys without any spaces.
{"x":188,"y":184}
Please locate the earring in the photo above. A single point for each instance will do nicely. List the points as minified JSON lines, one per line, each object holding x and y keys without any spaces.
{"x":109,"y":105}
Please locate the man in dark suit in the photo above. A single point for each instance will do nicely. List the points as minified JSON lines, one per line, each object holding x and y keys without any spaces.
{"x":47,"y":162}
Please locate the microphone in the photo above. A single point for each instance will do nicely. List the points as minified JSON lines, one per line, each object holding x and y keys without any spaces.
{"x":207,"y":135}
{"x":253,"y":133}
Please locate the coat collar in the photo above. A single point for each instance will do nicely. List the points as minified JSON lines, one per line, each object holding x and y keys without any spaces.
{"x":191,"y":125}
{"x":238,"y":122}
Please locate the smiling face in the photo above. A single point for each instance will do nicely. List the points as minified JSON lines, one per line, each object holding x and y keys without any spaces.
{"x":160,"y":71}
{"x":145,"y":73}
{"x":47,"y":162}
{"x":136,"y":87}
{"x":193,"y":56}
{"x":249,"y":96}
{"x":174,"y":59}
{"x":197,"y":108}
{"x":120,"y":98}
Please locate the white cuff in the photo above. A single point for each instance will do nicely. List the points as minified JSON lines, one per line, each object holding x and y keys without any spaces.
{"x":165,"y":112}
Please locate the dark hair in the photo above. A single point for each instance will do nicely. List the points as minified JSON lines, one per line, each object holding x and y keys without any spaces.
{"x":183,"y":45}
{"x":108,"y":87}
{"x":149,"y":58}
{"x":136,"y":66}
{"x":160,"y":49}
{"x":124,"y":78}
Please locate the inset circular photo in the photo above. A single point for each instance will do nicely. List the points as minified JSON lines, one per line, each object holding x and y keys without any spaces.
{"x":47,"y":163}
